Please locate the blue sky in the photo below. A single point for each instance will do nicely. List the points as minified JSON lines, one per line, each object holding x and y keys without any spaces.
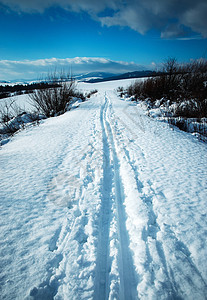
{"x":128,"y":35}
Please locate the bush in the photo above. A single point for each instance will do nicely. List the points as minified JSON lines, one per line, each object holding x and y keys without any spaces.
{"x":91,"y":93}
{"x":192,"y":109}
{"x":177,"y":83}
{"x":54,"y":100}
{"x":9,"y":113}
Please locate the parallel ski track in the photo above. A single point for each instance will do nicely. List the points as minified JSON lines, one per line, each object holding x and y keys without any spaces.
{"x":111,"y":174}
{"x":102,"y":270}
{"x":126,"y":267}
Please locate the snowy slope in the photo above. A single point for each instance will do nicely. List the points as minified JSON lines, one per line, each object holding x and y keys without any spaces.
{"x":103,"y":203}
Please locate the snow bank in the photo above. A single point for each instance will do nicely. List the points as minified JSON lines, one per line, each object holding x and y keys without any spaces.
{"x":163,"y":111}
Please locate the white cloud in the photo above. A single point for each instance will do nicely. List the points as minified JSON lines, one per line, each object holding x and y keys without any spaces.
{"x":196,"y":18}
{"x":31,"y":69}
{"x":142,"y":16}
{"x":139,"y":15}
{"x":172,"y":31}
{"x":92,"y":6}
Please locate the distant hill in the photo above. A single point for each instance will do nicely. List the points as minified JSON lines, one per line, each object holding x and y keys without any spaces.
{"x":135,"y":74}
{"x":93,"y":75}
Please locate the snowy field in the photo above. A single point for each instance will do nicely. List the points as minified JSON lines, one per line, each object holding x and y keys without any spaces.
{"x":103,"y":202}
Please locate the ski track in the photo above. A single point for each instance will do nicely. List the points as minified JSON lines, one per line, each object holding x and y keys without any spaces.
{"x":127,"y":273}
{"x":112,"y":178}
{"x":111,"y":238}
{"x":102,"y":270}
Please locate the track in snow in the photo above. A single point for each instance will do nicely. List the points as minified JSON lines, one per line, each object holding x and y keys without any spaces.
{"x":111,"y":177}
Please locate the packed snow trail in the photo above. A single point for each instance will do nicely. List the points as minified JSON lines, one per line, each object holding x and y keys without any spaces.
{"x":126,"y":269}
{"x":111,"y":172}
{"x":103,"y":203}
{"x":102,"y":272}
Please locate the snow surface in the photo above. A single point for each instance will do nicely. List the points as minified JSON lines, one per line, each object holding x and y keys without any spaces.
{"x":166,"y":112}
{"x":103,"y":202}
{"x":21,"y":101}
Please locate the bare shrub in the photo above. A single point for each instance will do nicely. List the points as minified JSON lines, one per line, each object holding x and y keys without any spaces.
{"x":135,"y":89}
{"x":54,"y":100}
{"x":194,"y":80}
{"x":13,"y":117}
{"x":176,"y":83}
{"x":91,"y":93}
{"x":8,"y":110}
{"x":120,"y":90}
{"x":192,"y":109}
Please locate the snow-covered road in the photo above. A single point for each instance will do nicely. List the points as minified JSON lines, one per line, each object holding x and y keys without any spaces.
{"x":103,"y":203}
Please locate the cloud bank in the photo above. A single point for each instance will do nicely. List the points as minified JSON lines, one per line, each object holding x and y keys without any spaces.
{"x":173,"y":18}
{"x":32,"y":69}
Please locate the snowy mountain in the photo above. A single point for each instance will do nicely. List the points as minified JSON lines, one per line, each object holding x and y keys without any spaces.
{"x":103,"y":202}
{"x":93,"y":75}
{"x":128,"y":75}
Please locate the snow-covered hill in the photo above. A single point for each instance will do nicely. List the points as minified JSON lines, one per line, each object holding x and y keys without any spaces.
{"x":103,"y":202}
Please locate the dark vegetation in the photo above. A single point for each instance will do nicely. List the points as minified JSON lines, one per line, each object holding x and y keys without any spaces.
{"x":13,"y":118}
{"x":54,"y":100}
{"x":19,"y":89}
{"x":176,"y":83}
{"x":91,"y":93}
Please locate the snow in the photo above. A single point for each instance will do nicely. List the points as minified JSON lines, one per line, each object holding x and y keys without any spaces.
{"x":163,"y":111}
{"x":21,"y":101}
{"x":103,"y":202}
